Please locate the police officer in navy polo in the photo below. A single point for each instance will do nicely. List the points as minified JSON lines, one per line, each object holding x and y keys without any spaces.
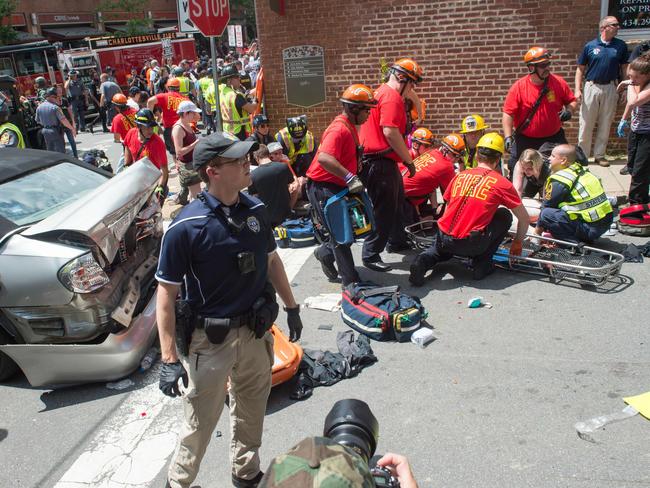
{"x":220,"y":252}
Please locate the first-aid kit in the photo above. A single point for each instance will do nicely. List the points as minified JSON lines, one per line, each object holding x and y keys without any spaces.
{"x":635,"y":220}
{"x":381,"y":312}
{"x":295,"y":233}
{"x":349,"y":216}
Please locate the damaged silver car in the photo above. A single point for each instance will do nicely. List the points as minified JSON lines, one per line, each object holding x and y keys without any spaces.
{"x":78,"y":254}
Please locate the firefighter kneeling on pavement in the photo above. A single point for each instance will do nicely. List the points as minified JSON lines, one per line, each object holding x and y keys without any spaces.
{"x":334,"y":167}
{"x":221,"y":248}
{"x":473,"y":225}
{"x":575,"y":206}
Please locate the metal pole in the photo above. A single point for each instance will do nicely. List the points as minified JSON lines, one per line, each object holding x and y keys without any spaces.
{"x":217,"y":111}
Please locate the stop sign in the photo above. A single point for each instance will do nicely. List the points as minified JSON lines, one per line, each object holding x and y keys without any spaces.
{"x":210,"y":16}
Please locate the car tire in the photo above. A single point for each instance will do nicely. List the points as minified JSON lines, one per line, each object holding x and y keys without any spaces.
{"x":8,"y":367}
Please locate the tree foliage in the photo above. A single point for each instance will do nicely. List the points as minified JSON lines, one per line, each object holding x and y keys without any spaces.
{"x":134,"y":26}
{"x":7,"y":33}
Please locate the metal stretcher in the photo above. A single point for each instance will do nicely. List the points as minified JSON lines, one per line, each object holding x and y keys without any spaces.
{"x":544,"y":256}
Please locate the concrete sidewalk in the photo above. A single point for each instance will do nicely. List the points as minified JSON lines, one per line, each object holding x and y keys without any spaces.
{"x":613,"y":182}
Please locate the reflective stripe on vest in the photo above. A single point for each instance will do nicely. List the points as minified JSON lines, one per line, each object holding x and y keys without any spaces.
{"x":232,"y":121}
{"x":589,"y":201}
{"x":306,"y":145}
{"x":12,"y":127}
{"x":185,"y":86}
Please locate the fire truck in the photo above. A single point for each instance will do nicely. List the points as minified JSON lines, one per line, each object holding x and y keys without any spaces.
{"x":26,"y":62}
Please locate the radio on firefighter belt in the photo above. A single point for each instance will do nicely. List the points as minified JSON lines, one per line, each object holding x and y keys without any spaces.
{"x":349,"y":216}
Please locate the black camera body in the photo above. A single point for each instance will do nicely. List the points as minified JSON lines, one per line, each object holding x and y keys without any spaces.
{"x":383,"y":478}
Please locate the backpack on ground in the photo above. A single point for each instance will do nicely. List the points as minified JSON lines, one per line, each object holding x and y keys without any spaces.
{"x":635,"y":220}
{"x":295,"y":233}
{"x":381,"y":312}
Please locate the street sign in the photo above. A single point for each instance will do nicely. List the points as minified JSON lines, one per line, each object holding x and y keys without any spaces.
{"x":185,"y":24}
{"x":210,"y":16}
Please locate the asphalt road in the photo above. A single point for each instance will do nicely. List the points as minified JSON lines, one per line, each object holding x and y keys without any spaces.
{"x":492,"y":402}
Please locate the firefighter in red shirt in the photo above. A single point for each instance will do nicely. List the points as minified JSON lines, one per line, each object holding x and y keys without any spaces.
{"x":383,"y":139}
{"x":122,"y":123}
{"x":536,"y":106}
{"x":433,"y":169}
{"x":421,"y":141}
{"x":168,"y":103}
{"x":334,"y":167}
{"x":473,"y":225}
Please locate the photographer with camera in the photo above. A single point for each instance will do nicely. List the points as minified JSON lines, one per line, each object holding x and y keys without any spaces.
{"x":343,"y":457}
{"x":221,"y":247}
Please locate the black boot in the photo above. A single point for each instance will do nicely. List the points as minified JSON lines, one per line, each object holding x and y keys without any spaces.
{"x":327,"y":265}
{"x":243,"y":483}
{"x":419,"y":268}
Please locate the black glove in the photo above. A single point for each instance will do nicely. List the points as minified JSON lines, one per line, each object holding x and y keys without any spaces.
{"x":294,"y":322}
{"x":565,"y":114}
{"x":509,"y":142}
{"x":170,"y":373}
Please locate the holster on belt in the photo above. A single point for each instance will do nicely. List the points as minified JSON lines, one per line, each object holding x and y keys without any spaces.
{"x":184,"y":326}
{"x":265,"y":311}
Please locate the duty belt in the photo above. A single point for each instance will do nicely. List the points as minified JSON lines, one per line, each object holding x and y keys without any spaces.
{"x":235,"y":322}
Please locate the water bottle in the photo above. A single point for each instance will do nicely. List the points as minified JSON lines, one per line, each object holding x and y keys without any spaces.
{"x":148,"y":359}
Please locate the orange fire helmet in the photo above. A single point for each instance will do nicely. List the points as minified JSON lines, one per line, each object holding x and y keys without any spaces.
{"x":119,"y":99}
{"x":423,"y":136}
{"x":454,"y":142}
{"x":173,"y":83}
{"x":537,"y":54}
{"x":409,"y":68}
{"x":358,"y":94}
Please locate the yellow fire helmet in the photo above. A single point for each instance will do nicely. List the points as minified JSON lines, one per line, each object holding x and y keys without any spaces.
{"x":493,"y":141}
{"x":472,"y":123}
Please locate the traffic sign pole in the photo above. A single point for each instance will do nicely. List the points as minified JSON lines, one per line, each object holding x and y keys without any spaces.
{"x":215,"y":79}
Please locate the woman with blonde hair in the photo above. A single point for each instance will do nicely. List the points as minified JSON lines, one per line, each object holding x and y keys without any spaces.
{"x":530,"y":174}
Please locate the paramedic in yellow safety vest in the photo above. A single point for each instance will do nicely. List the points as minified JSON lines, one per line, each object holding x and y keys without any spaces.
{"x":575,"y":207}
{"x":10,"y":135}
{"x":186,"y":89}
{"x":235,"y":108}
{"x":298,"y":144}
{"x":206,"y":98}
{"x":472,"y":128}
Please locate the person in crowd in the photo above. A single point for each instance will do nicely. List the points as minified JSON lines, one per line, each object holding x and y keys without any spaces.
{"x":575,"y":207}
{"x":638,"y":106}
{"x":152,"y":77}
{"x":298,"y":143}
{"x":123,"y":122}
{"x":75,"y":90}
{"x":10,"y":134}
{"x":298,"y":184}
{"x":472,"y":128}
{"x":477,"y":216}
{"x":94,"y":97}
{"x":204,"y":84}
{"x":162,"y":79}
{"x":422,"y":140}
{"x":66,"y":108}
{"x":382,"y":137}
{"x":434,"y":170}
{"x":602,"y":62}
{"x":536,"y":106}
{"x":270,"y":183}
{"x":186,"y":87}
{"x":134,"y":98}
{"x":530,"y":174}
{"x":235,"y":107}
{"x":221,"y":247}
{"x":136,"y":81}
{"x":40,"y":87}
{"x":168,"y":102}
{"x":107,"y":90}
{"x":50,"y":116}
{"x":335,"y":168}
{"x":261,"y":131}
{"x":185,"y":141}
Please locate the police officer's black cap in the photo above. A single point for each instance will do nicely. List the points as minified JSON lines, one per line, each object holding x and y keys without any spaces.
{"x":51,"y":92}
{"x":221,"y":144}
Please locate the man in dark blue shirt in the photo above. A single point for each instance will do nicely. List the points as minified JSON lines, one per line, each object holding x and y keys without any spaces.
{"x":601,"y":64}
{"x":220,"y":248}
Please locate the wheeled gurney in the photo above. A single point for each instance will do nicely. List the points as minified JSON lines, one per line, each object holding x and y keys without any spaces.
{"x":544,"y":256}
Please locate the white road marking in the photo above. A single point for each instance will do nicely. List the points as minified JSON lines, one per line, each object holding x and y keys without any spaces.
{"x":134,"y":445}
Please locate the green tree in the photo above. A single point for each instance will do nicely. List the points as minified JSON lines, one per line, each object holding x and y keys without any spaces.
{"x":247,"y":9}
{"x":134,"y":26}
{"x":7,"y":33}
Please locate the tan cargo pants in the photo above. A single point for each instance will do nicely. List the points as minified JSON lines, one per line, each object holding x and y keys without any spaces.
{"x":247,"y":362}
{"x":598,"y":105}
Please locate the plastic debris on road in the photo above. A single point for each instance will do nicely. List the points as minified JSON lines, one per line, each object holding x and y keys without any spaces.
{"x":478,"y":302}
{"x":330,"y":302}
{"x":592,"y":425}
{"x":422,"y":337}
{"x":120,"y":385}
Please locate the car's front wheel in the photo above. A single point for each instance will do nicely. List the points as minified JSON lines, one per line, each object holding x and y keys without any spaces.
{"x":7,"y":366}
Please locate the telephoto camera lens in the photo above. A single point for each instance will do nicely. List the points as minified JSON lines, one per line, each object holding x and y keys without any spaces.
{"x":351,"y":424}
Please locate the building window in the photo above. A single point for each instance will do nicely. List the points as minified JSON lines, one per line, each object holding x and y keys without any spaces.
{"x":633,"y":15}
{"x":6,"y":69}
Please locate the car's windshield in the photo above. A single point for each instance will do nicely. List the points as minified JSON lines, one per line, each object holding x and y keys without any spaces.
{"x":40,"y":194}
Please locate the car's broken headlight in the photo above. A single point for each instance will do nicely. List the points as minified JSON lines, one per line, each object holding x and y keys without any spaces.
{"x":83,"y":274}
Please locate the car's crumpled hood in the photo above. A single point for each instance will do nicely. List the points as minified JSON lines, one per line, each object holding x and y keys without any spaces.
{"x":105,"y":214}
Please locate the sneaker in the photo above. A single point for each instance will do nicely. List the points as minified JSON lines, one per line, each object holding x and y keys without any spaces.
{"x":417,"y":271}
{"x":327,"y":265}
{"x":602,"y":162}
{"x":483,"y":269}
{"x":624,"y":170}
{"x":244,"y":483}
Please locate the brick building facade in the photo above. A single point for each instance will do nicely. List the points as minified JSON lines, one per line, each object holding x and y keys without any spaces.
{"x":471,"y":50}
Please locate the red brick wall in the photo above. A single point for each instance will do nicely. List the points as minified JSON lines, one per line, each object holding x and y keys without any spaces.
{"x":471,"y":51}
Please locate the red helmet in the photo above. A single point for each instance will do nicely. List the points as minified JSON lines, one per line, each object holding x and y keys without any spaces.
{"x":537,"y":54}
{"x":173,"y":84}
{"x":409,"y":68}
{"x":358,"y":94}
{"x":454,"y":143}
{"x":119,"y":99}
{"x":423,"y":136}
